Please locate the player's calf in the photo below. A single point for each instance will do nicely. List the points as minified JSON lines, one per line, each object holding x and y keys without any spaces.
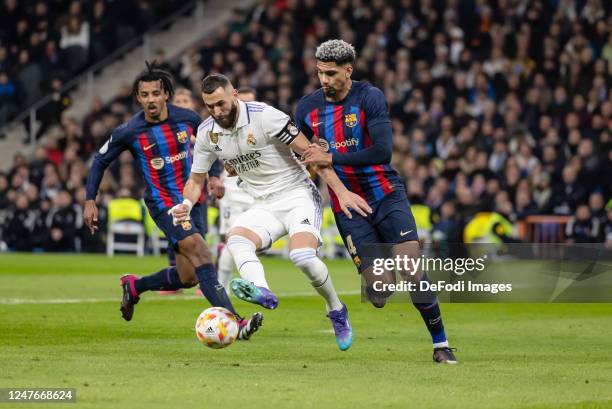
{"x":306,"y":260}
{"x":194,"y":248}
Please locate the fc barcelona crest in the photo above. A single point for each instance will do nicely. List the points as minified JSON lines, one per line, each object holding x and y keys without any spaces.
{"x":214,"y":137}
{"x":251,"y":140}
{"x":186,"y":225}
{"x":182,"y":136}
{"x":350,"y":120}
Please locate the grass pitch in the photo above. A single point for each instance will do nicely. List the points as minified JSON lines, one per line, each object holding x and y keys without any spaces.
{"x":60,"y":327}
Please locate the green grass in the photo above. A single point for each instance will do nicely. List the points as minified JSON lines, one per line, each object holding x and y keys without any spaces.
{"x":512,"y":355}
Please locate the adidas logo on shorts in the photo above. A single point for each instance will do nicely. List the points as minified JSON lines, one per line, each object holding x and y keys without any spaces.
{"x":305,"y":221}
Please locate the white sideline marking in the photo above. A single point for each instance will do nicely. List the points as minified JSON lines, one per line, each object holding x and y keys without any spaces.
{"x":21,"y":301}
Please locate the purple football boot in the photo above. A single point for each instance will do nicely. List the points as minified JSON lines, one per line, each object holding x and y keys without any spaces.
{"x":342,"y":327}
{"x":249,"y":292}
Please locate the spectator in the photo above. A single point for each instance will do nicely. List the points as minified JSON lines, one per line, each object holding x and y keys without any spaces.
{"x":447,"y":228}
{"x":510,"y":115}
{"x":582,"y":227}
{"x":62,"y":224}
{"x":567,"y":193}
{"x":8,"y":97}
{"x":84,"y":32}
{"x":19,"y":226}
{"x":75,"y":43}
{"x":596,"y":206}
{"x":608,"y":227}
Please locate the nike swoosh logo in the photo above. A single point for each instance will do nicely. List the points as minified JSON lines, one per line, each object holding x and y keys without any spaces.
{"x":146,"y":148}
{"x":317,"y":124}
{"x":403,"y":233}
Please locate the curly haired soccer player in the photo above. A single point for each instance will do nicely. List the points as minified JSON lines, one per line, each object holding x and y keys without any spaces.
{"x":158,"y":138}
{"x":350,"y":121}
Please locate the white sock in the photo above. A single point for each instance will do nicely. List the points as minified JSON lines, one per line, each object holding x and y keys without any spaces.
{"x":226,"y":266}
{"x":306,"y":260}
{"x":440,"y":344}
{"x":249,"y":266}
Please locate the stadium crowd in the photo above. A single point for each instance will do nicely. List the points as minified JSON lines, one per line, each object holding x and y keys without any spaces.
{"x":44,"y":43}
{"x":500,"y":106}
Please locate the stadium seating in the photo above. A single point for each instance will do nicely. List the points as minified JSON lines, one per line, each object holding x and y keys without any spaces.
{"x":498,"y":108}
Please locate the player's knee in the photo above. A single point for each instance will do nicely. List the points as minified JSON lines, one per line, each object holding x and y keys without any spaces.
{"x":239,"y":244}
{"x":195,"y":250}
{"x":190,"y":281}
{"x":254,"y":235}
{"x":378,"y":298}
{"x":302,"y":257}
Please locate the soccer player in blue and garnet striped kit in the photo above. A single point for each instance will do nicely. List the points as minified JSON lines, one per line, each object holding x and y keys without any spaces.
{"x":349,"y":120}
{"x":159,"y":139}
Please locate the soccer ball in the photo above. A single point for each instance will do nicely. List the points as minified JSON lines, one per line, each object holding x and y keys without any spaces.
{"x":216,"y":327}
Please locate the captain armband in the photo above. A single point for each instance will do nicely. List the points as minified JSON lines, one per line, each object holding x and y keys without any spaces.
{"x":288,"y":133}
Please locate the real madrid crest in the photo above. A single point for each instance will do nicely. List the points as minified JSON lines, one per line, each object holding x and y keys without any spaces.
{"x":214,"y":137}
{"x":251,"y":140}
{"x":292,"y":129}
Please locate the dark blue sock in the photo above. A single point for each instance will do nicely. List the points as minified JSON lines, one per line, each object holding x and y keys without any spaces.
{"x":427,"y":304}
{"x":433,"y":320}
{"x":212,"y":290}
{"x":166,"y":279}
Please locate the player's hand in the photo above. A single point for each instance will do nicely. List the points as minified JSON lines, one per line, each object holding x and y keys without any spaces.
{"x":90,"y":215}
{"x":180,"y":212}
{"x":349,"y":200}
{"x":316,"y":155}
{"x":215,"y":187}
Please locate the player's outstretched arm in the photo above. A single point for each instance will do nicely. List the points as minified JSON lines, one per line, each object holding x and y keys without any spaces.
{"x":347,"y":199}
{"x":105,"y":156}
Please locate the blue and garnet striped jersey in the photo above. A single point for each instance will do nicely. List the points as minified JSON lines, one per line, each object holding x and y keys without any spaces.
{"x":345,"y":127}
{"x":161,"y":151}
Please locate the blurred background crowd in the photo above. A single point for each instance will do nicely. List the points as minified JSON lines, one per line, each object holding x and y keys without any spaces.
{"x":45,"y":43}
{"x":500,"y":107}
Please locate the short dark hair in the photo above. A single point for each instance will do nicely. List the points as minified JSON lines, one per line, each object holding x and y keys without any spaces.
{"x":214,"y":81}
{"x":154,"y":74}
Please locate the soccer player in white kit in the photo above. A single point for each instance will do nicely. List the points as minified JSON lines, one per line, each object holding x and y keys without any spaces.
{"x":234,"y":202}
{"x":256,"y":141}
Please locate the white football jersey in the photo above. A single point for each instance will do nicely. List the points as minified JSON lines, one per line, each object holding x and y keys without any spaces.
{"x":257,"y":149}
{"x":234,"y":194}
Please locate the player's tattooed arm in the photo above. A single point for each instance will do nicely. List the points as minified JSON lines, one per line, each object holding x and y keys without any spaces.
{"x":347,"y":199}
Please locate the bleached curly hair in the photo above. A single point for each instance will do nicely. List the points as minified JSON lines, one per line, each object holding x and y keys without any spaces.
{"x":338,"y":51}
